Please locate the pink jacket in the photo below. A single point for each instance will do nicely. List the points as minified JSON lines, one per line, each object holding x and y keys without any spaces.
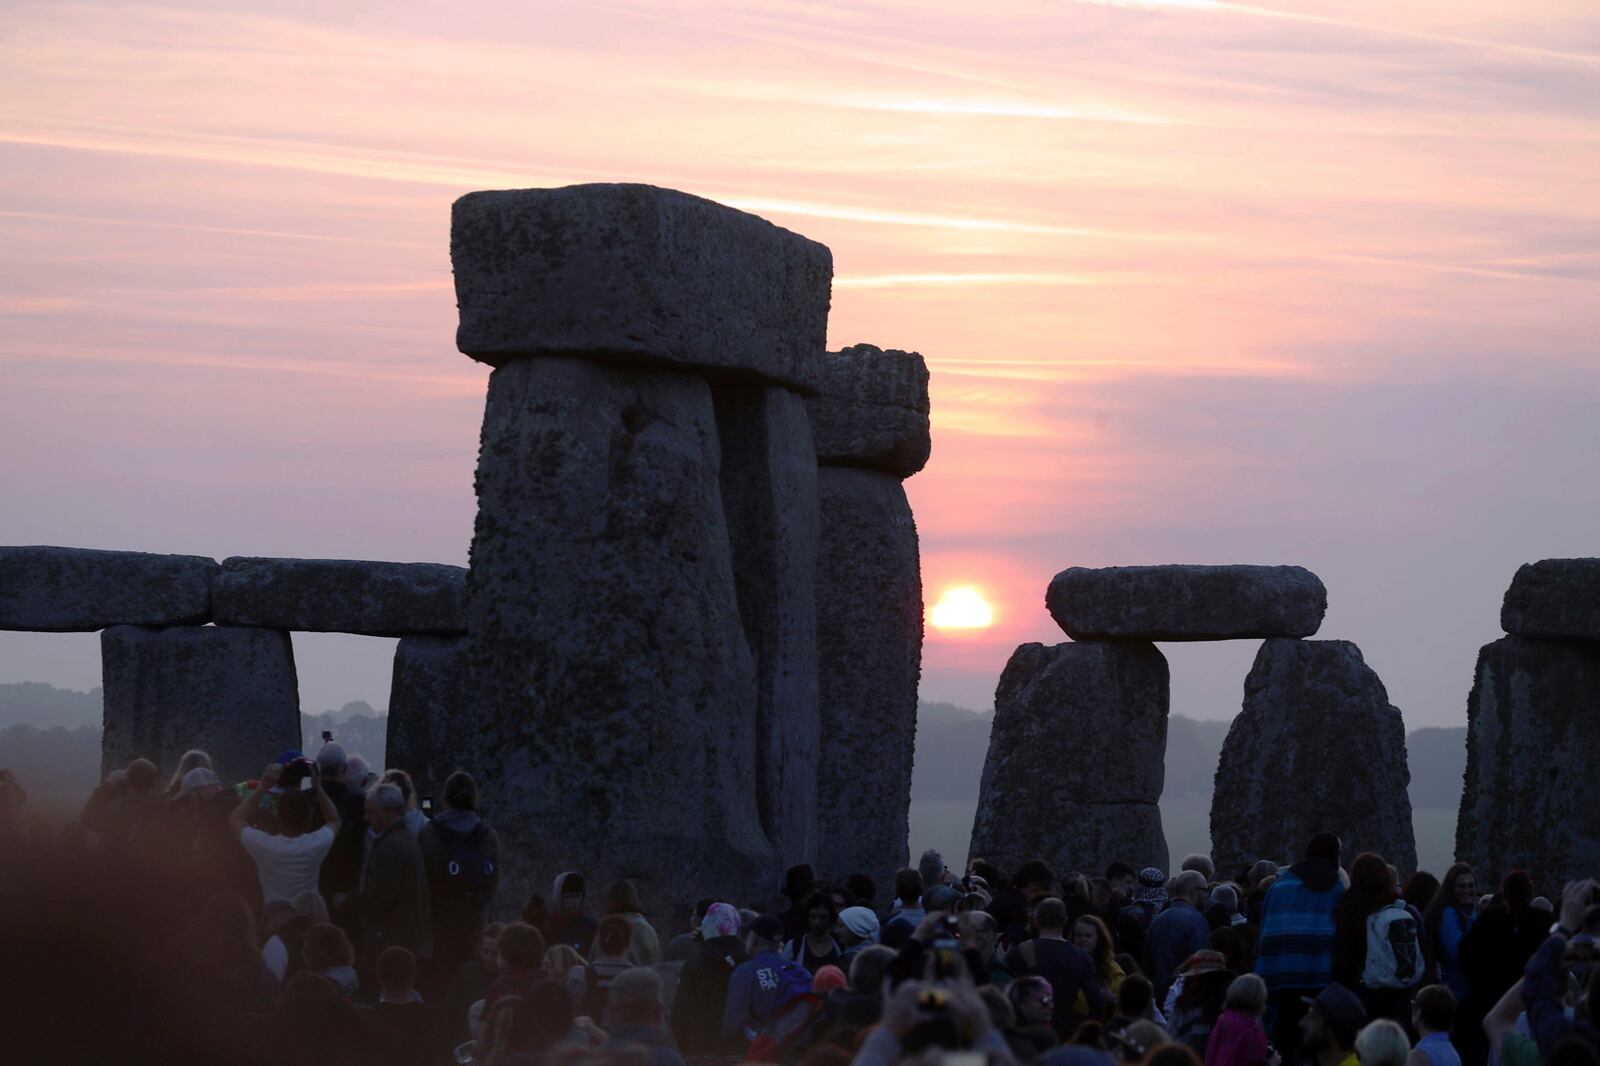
{"x":1236,"y":1040}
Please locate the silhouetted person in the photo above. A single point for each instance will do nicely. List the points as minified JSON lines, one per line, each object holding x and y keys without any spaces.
{"x":461,"y":854}
{"x":391,"y":906}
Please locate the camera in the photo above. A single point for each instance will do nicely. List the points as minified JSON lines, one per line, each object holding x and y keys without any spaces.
{"x":327,"y":736}
{"x":946,"y":947}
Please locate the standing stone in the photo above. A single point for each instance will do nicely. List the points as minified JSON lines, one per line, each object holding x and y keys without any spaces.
{"x":435,"y":726}
{"x":1533,"y":744}
{"x":230,"y":692}
{"x":1077,"y":758}
{"x":1554,"y":598}
{"x":1187,"y":602}
{"x":608,"y":654}
{"x":341,"y":596}
{"x":869,"y":647}
{"x":769,"y":495}
{"x":1317,"y":748}
{"x":64,"y":590}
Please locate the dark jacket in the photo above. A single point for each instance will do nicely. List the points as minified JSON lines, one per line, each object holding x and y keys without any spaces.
{"x":702,"y":994}
{"x":392,"y":906}
{"x":1068,"y":969}
{"x":341,"y":870}
{"x":657,"y":1048}
{"x":1543,"y":986}
{"x":458,"y":917}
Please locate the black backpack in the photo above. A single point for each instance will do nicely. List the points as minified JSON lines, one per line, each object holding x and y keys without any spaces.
{"x":469,"y":871}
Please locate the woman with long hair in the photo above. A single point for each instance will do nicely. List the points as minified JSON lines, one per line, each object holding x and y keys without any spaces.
{"x":1372,"y":888}
{"x":193,"y":759}
{"x":1446,"y":921}
{"x":1092,"y":937}
{"x":622,"y":898}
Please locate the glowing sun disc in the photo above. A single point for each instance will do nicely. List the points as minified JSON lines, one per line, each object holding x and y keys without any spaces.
{"x":962,"y":607}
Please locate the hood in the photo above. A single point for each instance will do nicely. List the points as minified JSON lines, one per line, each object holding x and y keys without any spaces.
{"x":1318,"y":875}
{"x":462,"y":822}
{"x":555,"y":893}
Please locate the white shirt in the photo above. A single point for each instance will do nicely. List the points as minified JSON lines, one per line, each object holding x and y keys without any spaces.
{"x":288,"y":865}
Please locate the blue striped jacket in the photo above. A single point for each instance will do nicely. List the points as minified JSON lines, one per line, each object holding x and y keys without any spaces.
{"x":1295,"y":949}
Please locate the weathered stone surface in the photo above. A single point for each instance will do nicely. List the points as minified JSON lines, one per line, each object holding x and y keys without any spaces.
{"x":769,"y":495}
{"x":608,"y":656}
{"x":873,"y":410}
{"x":869,"y":653}
{"x":1532,"y":795}
{"x":435,"y":726}
{"x":1187,"y":602}
{"x":1554,"y":598}
{"x":1317,"y":748}
{"x":65,"y":590}
{"x":1076,"y":758}
{"x":341,"y":596}
{"x":634,"y":273}
{"x":230,"y":692}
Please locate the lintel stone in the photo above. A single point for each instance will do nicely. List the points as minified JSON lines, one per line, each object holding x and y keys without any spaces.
{"x":77,"y":590}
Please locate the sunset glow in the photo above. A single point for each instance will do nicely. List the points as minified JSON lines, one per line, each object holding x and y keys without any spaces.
{"x":962,"y":607}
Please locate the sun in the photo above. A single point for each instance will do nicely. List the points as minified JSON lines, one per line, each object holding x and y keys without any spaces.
{"x":962,"y":607}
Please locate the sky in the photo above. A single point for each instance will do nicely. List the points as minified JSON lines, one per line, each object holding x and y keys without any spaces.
{"x":1197,"y":281}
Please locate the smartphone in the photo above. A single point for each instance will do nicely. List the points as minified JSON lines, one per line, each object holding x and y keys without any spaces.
{"x":427,"y":803}
{"x":306,"y":784}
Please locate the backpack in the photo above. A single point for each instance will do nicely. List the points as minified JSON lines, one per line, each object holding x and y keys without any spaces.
{"x":794,"y":981}
{"x":785,"y":1029}
{"x":1394,"y":951}
{"x":468,"y":871}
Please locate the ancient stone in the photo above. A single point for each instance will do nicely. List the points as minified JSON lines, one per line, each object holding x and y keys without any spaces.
{"x":435,"y":726}
{"x":231,"y":692}
{"x":633,"y":273}
{"x":873,"y":410}
{"x":1533,"y":742}
{"x":1187,"y":602}
{"x":1076,"y":758}
{"x":64,"y":590}
{"x":869,"y":653}
{"x":769,"y":495}
{"x":608,"y":655}
{"x":1554,"y":598}
{"x":341,"y":596}
{"x":1317,"y":748}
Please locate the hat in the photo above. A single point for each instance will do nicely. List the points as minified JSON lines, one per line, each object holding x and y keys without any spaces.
{"x":861,"y":922}
{"x":1152,"y":887}
{"x":768,"y":928}
{"x":722,"y":919}
{"x":1341,"y":1008}
{"x":1203,"y":962}
{"x":199,"y":777}
{"x":828,"y":978}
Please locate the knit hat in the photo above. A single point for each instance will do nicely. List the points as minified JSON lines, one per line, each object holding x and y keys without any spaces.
{"x":861,"y":922}
{"x":1152,"y":887}
{"x":828,"y":978}
{"x":722,"y":919}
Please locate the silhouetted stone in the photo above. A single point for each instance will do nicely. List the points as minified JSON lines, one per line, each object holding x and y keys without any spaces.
{"x":1187,"y":602}
{"x":435,"y":726}
{"x":1317,"y":748}
{"x":873,"y":410}
{"x":1554,"y":598}
{"x":769,"y":495}
{"x":869,"y":651}
{"x":1076,"y":758}
{"x":63,"y":590}
{"x":230,"y":692}
{"x":341,"y":596}
{"x":608,"y":656}
{"x":1533,"y":745}
{"x":633,"y":273}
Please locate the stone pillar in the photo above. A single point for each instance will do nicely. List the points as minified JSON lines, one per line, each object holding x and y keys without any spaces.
{"x":229,"y":691}
{"x":609,"y":654}
{"x":1317,"y":748}
{"x":435,"y":726}
{"x":871,"y":430}
{"x":1076,"y":758}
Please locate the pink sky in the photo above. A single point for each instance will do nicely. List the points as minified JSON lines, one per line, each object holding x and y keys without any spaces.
{"x":1197,"y":281}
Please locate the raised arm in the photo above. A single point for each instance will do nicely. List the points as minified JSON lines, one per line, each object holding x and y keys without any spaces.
{"x":239,"y":819}
{"x":330,"y":813}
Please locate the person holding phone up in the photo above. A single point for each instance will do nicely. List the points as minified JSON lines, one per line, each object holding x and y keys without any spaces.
{"x":288,"y":861}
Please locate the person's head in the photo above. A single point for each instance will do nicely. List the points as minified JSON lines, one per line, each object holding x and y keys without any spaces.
{"x":863,"y":889}
{"x":1382,"y":1043}
{"x":142,"y":776}
{"x":401,"y":780}
{"x":1001,"y":1014}
{"x":1434,"y":1009}
{"x":397,"y":973}
{"x":766,"y":934}
{"x":294,"y":813}
{"x":1459,"y":888}
{"x":357,"y":773}
{"x":907,"y":886}
{"x":1032,"y":999}
{"x":1226,"y":897}
{"x":1094,"y":940}
{"x":330,"y":760}
{"x":940,"y":898}
{"x":721,"y":919}
{"x":1123,"y":878}
{"x":858,"y":925}
{"x":932,"y":868}
{"x":980,"y":932}
{"x":1419,"y":890}
{"x":570,"y":890}
{"x":822,"y":913}
{"x":325,"y":947}
{"x":198,"y":784}
{"x":1573,"y":1050}
{"x":797,"y":882}
{"x":559,"y":959}
{"x":614,"y":937}
{"x":622,"y":897}
{"x":536,"y":912}
{"x":1075,"y":886}
{"x":636,"y":998}
{"x":1136,"y":996}
{"x":1325,"y":846}
{"x":827,"y":979}
{"x":1190,"y":887}
{"x":1142,"y":1038}
{"x":868,"y":969}
{"x":1100,"y":892}
{"x":385,"y":807}
{"x":460,"y":792}
{"x":519,"y":947}
{"x":1246,"y":993}
{"x":1200,"y":864}
{"x":1033,"y":879}
{"x":489,"y":947}
{"x":1332,"y":1020}
{"x":1372,"y":884}
{"x":1050,"y":915}
{"x":193,"y":759}
{"x":1259,"y":872}
{"x":310,"y":904}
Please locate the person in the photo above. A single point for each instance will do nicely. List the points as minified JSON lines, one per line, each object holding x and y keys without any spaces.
{"x":1433,"y":1013}
{"x":471,"y":981}
{"x":1544,"y":982}
{"x":613,"y":953}
{"x":1237,"y":1038}
{"x":222,"y":971}
{"x":703,"y":986}
{"x":120,"y":806}
{"x":1136,"y":1002}
{"x":193,"y":759}
{"x":799,"y":882}
{"x":415,"y":817}
{"x":680,"y":947}
{"x":206,"y":852}
{"x":1222,"y":908}
{"x":519,"y":962}
{"x":461,"y":855}
{"x":635,"y":1012}
{"x":1294,"y":952}
{"x":963,"y":1022}
{"x":1446,"y":921}
{"x":1149,"y":898}
{"x":397,"y":976}
{"x":1091,"y":935}
{"x":764,"y":984}
{"x":1198,"y":994}
{"x":1200,"y":864}
{"x":980,"y":939}
{"x":1493,"y":952}
{"x":1419,"y":890}
{"x":817,"y":947}
{"x":1382,"y":1043}
{"x":391,"y":905}
{"x":644,"y":946}
{"x":1068,"y":969}
{"x":1033,"y":1001}
{"x":568,"y":969}
{"x":932,"y":868}
{"x":1377,"y":950}
{"x":289,"y":862}
{"x":907,"y":912}
{"x":1329,"y":1025}
{"x":570,"y":925}
{"x":283,"y":927}
{"x":858,"y":930}
{"x":1178,"y":932}
{"x":326,"y":951}
{"x":863,"y":890}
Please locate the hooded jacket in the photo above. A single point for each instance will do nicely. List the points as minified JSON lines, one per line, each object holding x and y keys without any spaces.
{"x":574,"y":930}
{"x":1295,"y":948}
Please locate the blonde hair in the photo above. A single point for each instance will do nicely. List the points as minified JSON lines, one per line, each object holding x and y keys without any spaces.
{"x":192,"y":759}
{"x":561,"y":958}
{"x":1382,"y":1043}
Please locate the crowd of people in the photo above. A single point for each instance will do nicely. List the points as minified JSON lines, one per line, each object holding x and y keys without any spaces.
{"x":325,"y":913}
